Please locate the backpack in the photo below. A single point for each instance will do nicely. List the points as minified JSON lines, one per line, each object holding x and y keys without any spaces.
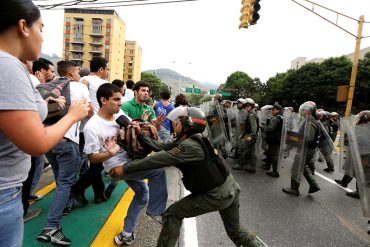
{"x":55,"y":89}
{"x":132,"y":144}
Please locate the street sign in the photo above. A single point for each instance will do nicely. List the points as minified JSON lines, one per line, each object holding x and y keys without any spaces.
{"x":223,"y":93}
{"x":197,"y":90}
{"x":189,"y":90}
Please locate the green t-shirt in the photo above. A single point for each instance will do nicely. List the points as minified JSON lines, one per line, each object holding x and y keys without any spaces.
{"x":135,"y":110}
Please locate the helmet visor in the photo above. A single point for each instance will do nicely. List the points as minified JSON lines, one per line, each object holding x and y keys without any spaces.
{"x":178,"y":112}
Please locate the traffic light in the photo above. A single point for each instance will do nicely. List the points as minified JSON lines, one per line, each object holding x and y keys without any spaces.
{"x":255,"y":7}
{"x":249,"y":12}
{"x":246,"y":14}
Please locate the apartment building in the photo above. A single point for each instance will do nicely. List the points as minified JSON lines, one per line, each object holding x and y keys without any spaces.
{"x":133,"y":58}
{"x":89,"y":33}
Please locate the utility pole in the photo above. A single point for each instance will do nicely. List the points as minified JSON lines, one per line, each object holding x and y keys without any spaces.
{"x":352,"y":83}
{"x":360,"y":22}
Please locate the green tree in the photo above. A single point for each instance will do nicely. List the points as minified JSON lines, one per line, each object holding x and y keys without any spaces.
{"x":155,"y":84}
{"x":242,"y":83}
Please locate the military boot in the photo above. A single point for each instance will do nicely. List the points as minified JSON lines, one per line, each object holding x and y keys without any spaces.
{"x":294,"y":188}
{"x":330,"y":167}
{"x":345,"y":181}
{"x":354,"y":194}
{"x":314,"y":187}
{"x":254,"y":241}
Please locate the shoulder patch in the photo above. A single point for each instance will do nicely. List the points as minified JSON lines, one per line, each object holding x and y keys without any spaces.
{"x":176,"y":151}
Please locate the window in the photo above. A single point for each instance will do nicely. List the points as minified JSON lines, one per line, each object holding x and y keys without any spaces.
{"x":129,"y":70}
{"x":107,"y":46}
{"x":109,"y":21}
{"x":131,"y":58}
{"x":76,"y":55}
{"x":77,"y":47}
{"x":96,"y":39}
{"x":130,"y":64}
{"x":131,"y":51}
{"x":129,"y":77}
{"x":68,"y":19}
{"x":68,"y":27}
{"x":97,"y":26}
{"x":108,"y":30}
{"x":95,"y":48}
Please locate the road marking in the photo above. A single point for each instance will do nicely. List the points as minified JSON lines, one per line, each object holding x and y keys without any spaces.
{"x":114,"y":224}
{"x":332,"y":181}
{"x":190,"y":230}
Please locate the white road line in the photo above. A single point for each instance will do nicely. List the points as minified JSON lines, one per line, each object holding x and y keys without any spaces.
{"x":190,"y":230}
{"x":332,"y":181}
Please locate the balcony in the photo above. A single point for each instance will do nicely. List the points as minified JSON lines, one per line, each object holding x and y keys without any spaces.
{"x":77,"y":41}
{"x":96,"y":51}
{"x":98,"y":34}
{"x":97,"y":43}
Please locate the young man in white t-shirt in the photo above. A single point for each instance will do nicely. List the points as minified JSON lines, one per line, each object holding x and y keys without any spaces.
{"x":65,"y":161}
{"x":97,"y":77}
{"x":101,"y":129}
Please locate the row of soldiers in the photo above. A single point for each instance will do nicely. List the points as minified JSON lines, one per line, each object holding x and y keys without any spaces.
{"x":243,"y":131}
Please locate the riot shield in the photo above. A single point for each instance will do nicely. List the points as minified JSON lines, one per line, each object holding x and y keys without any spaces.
{"x":233,"y":128}
{"x":325,"y":133}
{"x":205,"y":108}
{"x":359,"y":143}
{"x":264,"y":115}
{"x":216,"y":127}
{"x":345,"y":160}
{"x":293,"y":147}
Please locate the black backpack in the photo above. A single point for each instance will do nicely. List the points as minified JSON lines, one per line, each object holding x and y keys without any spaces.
{"x":55,"y":89}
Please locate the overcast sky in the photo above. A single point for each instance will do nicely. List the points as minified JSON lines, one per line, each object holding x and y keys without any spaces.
{"x":202,"y":40}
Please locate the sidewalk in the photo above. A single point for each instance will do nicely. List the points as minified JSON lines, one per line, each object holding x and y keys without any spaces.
{"x":96,"y":225}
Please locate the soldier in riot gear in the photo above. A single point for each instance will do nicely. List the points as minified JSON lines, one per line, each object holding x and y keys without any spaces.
{"x":205,"y":175}
{"x":333,"y":125}
{"x":264,"y":116}
{"x":361,"y":118}
{"x":247,"y":156}
{"x":273,"y":137}
{"x":324,"y":147}
{"x":308,"y":110}
{"x":216,"y":129}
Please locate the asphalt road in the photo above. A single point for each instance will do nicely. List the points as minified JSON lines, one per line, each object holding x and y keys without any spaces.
{"x":326,"y":218}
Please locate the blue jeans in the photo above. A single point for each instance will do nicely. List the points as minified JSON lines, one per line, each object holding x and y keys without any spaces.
{"x":156,"y":197}
{"x":11,"y":215}
{"x":39,"y":167}
{"x":164,"y":135}
{"x":65,"y":162}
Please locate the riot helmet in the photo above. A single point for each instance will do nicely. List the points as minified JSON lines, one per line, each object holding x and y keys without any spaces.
{"x":333,"y":115}
{"x":249,"y":101}
{"x":363,"y":117}
{"x":322,"y":115}
{"x":308,"y":108}
{"x":192,"y":119}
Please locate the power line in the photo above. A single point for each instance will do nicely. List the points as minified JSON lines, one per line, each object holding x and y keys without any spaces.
{"x":77,"y":3}
{"x":335,"y":24}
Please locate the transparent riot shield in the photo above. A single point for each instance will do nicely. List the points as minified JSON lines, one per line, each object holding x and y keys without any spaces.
{"x":205,"y":108}
{"x":264,"y":115}
{"x":233,"y":124}
{"x":325,"y":133}
{"x":293,"y":147}
{"x":215,"y":127}
{"x":345,"y":160}
{"x":359,"y":142}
